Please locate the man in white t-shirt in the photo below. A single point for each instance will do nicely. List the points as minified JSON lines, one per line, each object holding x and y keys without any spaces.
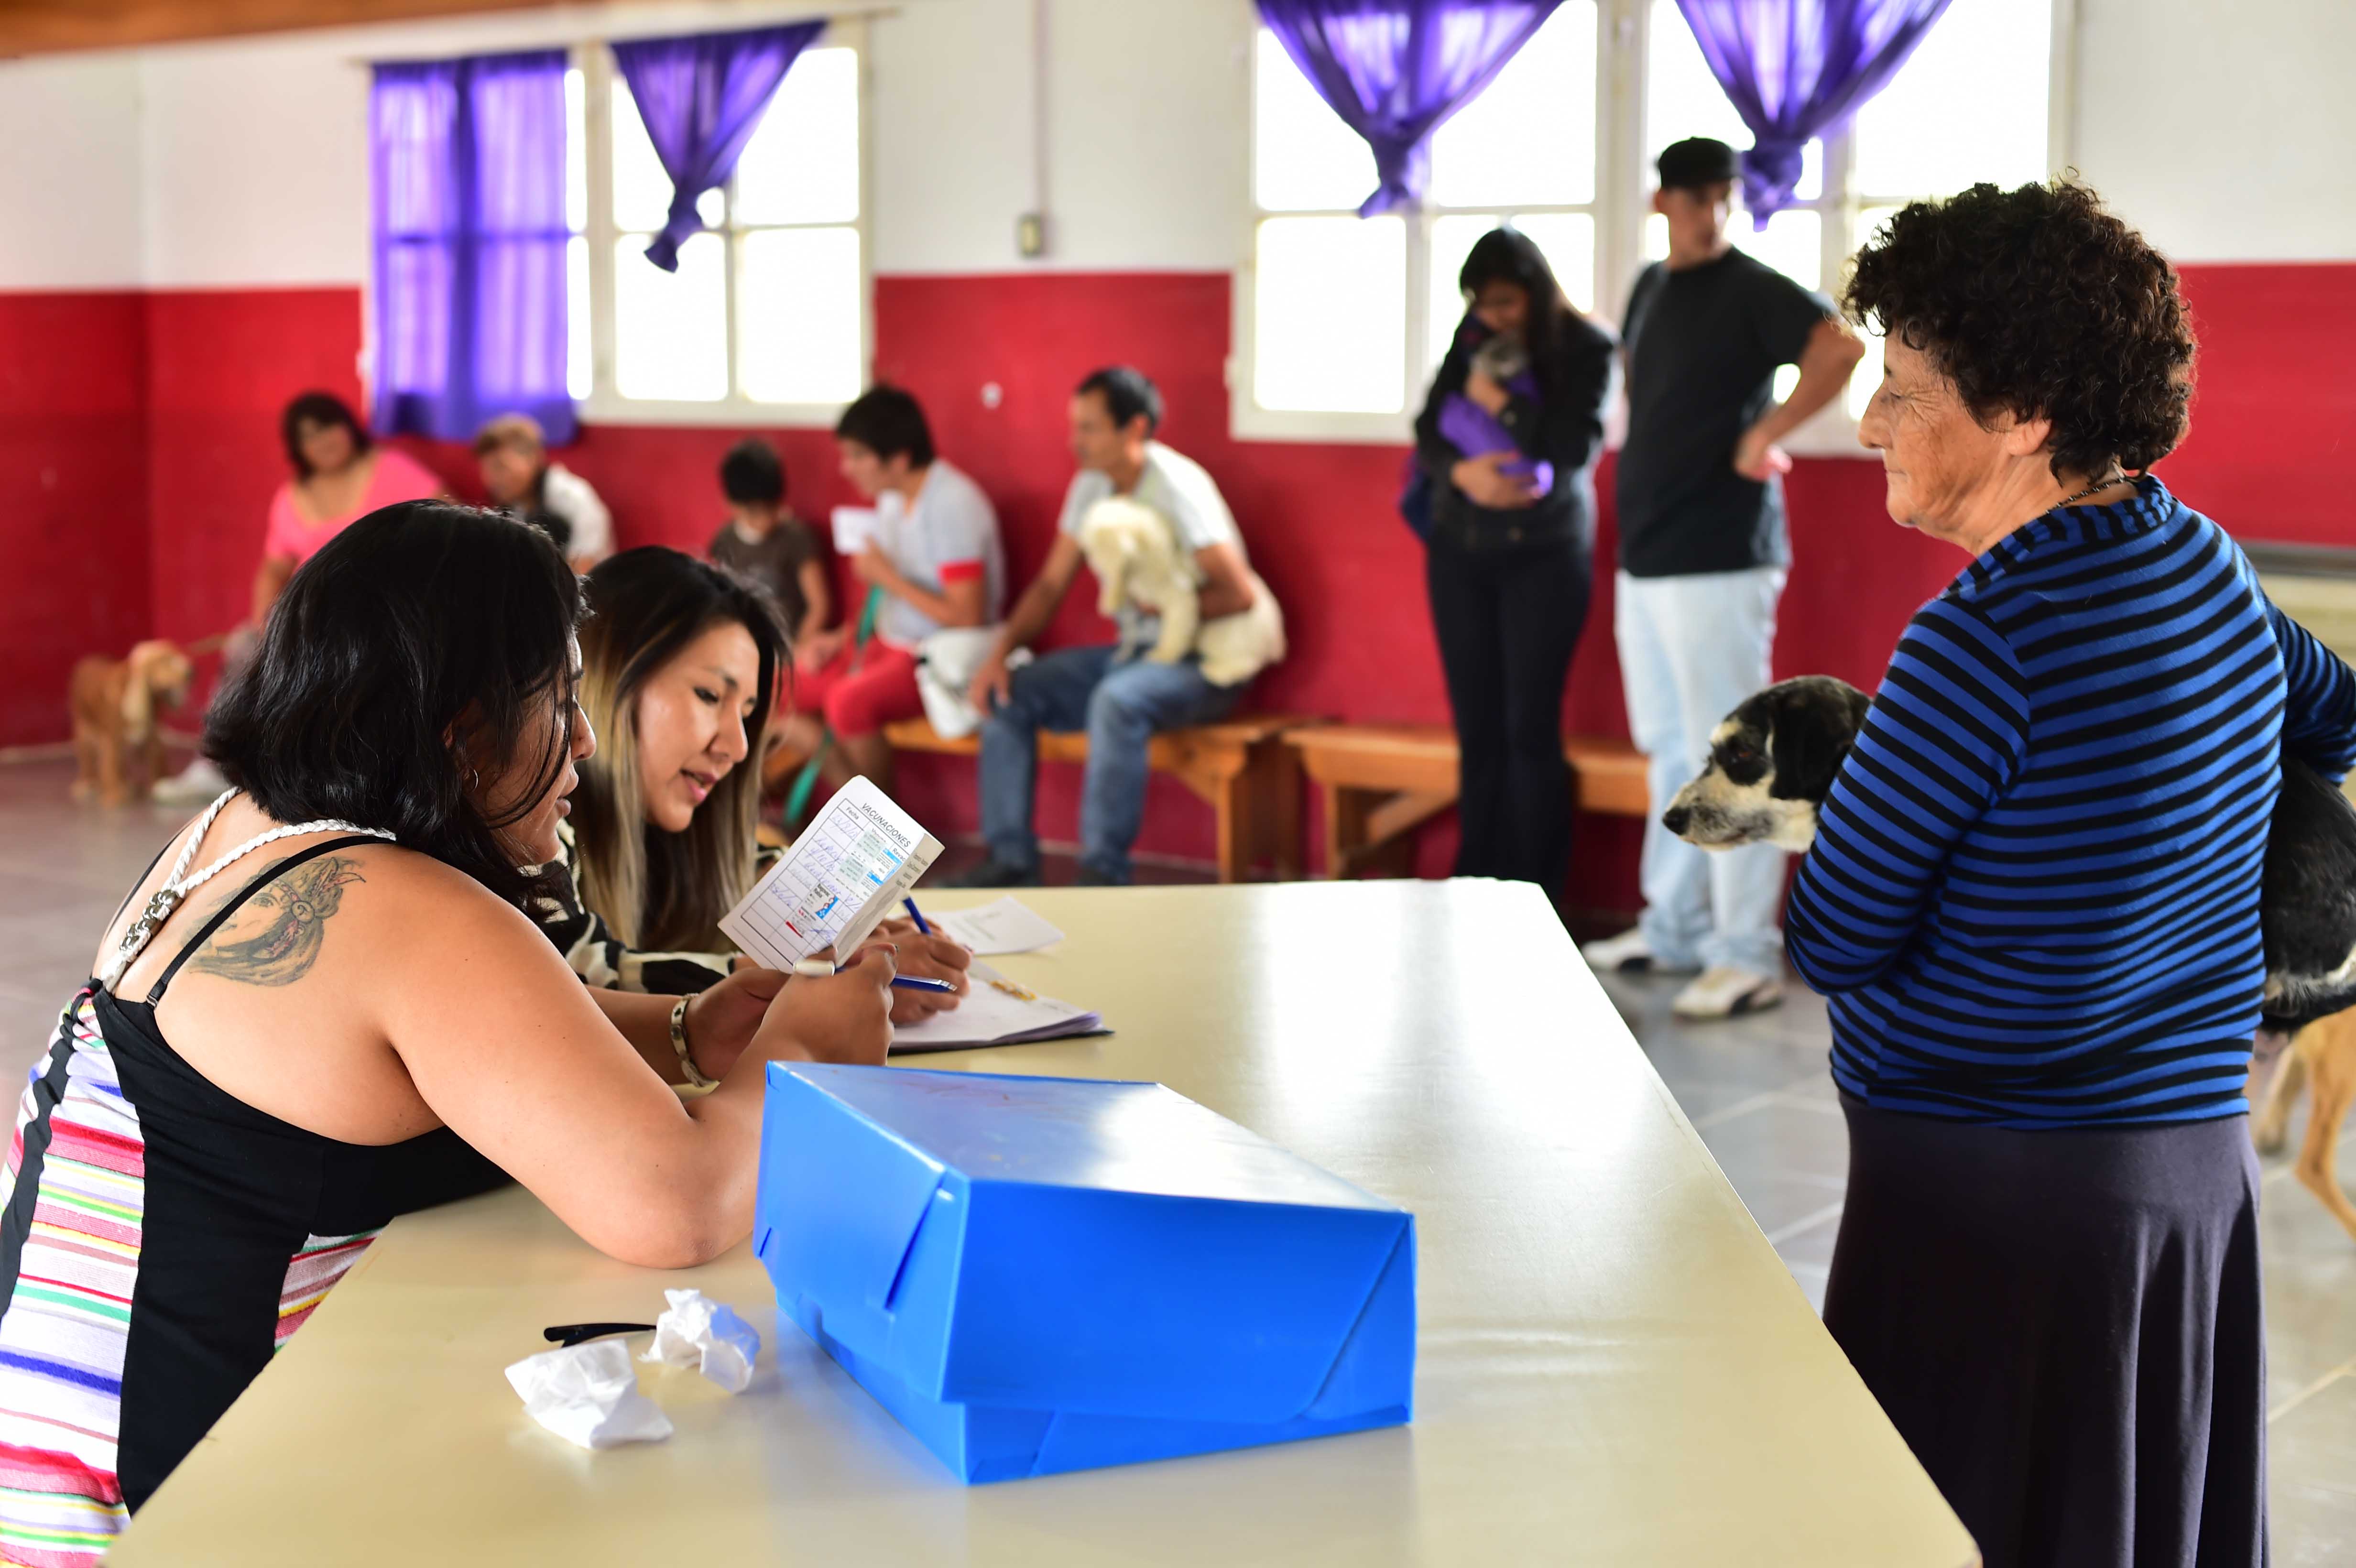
{"x":520,"y":478}
{"x":1118,"y":697}
{"x":934,"y":561}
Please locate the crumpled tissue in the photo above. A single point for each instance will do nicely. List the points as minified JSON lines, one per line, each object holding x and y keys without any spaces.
{"x":706,"y":1335}
{"x":589,"y":1394}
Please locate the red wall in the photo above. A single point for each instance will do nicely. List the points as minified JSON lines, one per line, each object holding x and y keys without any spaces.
{"x":73,"y":497}
{"x":216,"y":366}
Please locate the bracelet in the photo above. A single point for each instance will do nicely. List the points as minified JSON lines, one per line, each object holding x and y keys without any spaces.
{"x":679,"y":1043}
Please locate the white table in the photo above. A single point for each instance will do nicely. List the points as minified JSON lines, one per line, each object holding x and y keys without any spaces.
{"x":1615,"y":1367}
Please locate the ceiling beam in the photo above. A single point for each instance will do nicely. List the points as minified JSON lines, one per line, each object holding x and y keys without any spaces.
{"x":48,"y":27}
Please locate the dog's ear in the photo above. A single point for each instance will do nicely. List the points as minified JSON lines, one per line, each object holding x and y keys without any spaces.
{"x":1814,"y":726}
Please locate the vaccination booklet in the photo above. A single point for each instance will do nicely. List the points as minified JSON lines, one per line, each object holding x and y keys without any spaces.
{"x":848,"y":870}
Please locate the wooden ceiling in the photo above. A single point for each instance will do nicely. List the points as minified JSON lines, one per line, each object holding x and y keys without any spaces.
{"x":43,"y":26}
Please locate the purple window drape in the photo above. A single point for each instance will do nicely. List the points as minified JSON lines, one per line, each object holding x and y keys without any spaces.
{"x":467,"y":167}
{"x":1798,"y":70}
{"x":701,"y":98}
{"x":1394,"y":69}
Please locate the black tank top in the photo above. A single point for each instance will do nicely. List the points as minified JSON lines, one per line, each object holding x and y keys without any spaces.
{"x":160,"y":1240}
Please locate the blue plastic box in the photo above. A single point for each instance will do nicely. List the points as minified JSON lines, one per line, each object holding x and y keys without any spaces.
{"x":1038,"y":1274}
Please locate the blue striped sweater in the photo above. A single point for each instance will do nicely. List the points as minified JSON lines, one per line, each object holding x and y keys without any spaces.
{"x":2033,"y":898}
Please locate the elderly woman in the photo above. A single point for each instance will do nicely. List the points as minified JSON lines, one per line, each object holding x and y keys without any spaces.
{"x":2033,"y":903}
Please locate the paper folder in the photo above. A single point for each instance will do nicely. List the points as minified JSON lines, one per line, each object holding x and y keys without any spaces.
{"x":1038,"y":1274}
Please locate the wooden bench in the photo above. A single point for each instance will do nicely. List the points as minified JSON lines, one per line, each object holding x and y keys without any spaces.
{"x":1240,"y":765}
{"x":1380,"y":781}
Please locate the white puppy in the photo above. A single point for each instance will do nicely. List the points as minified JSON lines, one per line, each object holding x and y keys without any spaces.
{"x":1136,"y":561}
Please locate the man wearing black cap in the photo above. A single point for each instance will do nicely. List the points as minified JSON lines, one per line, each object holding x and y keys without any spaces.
{"x":1703,"y":556}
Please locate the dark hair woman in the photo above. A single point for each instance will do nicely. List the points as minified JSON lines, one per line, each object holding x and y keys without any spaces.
{"x":1508,"y":441}
{"x":2033,"y":903}
{"x":681,"y":666}
{"x":279,"y":1051}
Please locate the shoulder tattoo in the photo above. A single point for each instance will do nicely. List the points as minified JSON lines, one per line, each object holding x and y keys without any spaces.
{"x":299,"y":906}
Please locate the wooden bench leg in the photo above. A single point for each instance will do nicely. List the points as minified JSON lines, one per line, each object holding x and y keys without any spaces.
{"x":1277,"y":774}
{"x":1345,"y":829}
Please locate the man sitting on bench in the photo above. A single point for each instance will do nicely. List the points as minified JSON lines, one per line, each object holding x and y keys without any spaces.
{"x":1120,"y":699}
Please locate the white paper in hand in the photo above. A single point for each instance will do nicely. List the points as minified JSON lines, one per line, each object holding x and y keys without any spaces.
{"x":850,"y":868}
{"x":588,"y":1394}
{"x":708,"y":1336}
{"x":854,"y":526}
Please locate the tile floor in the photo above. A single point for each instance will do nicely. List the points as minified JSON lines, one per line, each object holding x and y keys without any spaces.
{"x":1756,"y":1090}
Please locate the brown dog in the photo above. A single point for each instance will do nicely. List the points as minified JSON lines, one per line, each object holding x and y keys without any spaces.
{"x":2322,"y":1055}
{"x":113,"y":703}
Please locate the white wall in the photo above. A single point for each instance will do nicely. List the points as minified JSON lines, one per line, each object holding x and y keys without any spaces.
{"x":2221,"y":130}
{"x":2218,"y":128}
{"x":70,"y":172}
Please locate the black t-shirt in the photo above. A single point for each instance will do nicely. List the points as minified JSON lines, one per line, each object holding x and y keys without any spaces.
{"x":1704,"y":344}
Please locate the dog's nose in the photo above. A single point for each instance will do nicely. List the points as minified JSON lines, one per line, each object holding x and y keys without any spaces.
{"x":1676,"y":818}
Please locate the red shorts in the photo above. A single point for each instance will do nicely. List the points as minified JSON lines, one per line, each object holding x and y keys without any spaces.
{"x":858,"y":692}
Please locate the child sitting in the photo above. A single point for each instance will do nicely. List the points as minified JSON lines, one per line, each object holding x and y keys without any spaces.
{"x":765,"y":541}
{"x":1475,"y":432}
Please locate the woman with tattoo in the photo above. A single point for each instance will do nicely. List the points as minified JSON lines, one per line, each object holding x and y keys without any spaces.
{"x":324,"y":1006}
{"x":681,"y":663}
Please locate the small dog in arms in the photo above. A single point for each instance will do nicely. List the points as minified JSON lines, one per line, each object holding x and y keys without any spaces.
{"x":1136,"y":561}
{"x":1772,"y":762}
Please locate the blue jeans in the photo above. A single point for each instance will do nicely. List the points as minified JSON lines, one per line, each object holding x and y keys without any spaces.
{"x":1691,"y":649}
{"x":1121,"y":704}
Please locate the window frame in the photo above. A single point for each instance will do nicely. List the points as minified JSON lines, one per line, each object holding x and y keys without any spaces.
{"x":605,"y":405}
{"x":1623,"y":188}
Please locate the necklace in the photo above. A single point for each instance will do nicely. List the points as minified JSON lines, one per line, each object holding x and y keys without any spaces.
{"x":2118,"y":476}
{"x":176,"y":887}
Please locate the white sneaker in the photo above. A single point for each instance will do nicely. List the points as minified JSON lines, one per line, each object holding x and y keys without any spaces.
{"x":1630,"y":953}
{"x":199,"y":783}
{"x":1726,"y":992}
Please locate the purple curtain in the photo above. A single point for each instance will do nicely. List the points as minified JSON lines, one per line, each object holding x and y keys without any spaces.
{"x":701,"y":99}
{"x":1394,"y":69}
{"x":1797,"y":69}
{"x":467,"y":165}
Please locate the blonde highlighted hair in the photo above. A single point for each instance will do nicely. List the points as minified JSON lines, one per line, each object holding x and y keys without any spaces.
{"x":657,"y":890}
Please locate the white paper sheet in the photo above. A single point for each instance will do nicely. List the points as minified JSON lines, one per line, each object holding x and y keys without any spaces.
{"x":1007,"y":926}
{"x":849,"y":869}
{"x":996,"y":1011}
{"x":695,"y":1331}
{"x":853,"y":526}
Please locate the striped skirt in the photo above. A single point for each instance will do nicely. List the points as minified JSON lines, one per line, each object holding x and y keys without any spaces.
{"x":2066,"y":1329}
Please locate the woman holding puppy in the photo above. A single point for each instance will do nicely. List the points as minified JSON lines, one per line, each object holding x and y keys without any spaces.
{"x":1506,"y":445}
{"x":2033,"y":904}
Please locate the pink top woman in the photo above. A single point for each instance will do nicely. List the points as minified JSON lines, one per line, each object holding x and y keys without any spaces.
{"x":340,"y":476}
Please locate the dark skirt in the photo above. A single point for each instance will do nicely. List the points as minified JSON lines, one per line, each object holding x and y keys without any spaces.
{"x":2066,"y":1329}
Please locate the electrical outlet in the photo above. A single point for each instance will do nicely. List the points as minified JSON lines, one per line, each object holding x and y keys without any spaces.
{"x":1031,"y":235}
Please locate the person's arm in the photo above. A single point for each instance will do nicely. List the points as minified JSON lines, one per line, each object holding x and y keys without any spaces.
{"x":2319,"y":706}
{"x":1943,"y":739}
{"x":1565,"y":425}
{"x":1437,"y":453}
{"x":510,"y":1051}
{"x":268,"y":583}
{"x":1031,"y":612}
{"x":1227,"y":588}
{"x":593,"y":525}
{"x":817,"y":599}
{"x":1830,"y":355}
{"x":962,"y":599}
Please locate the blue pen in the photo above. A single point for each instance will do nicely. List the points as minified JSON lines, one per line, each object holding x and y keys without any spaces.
{"x":917,"y":915}
{"x":819,"y":969}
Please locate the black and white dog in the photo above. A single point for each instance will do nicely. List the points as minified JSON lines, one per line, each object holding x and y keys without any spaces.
{"x":1772,"y":762}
